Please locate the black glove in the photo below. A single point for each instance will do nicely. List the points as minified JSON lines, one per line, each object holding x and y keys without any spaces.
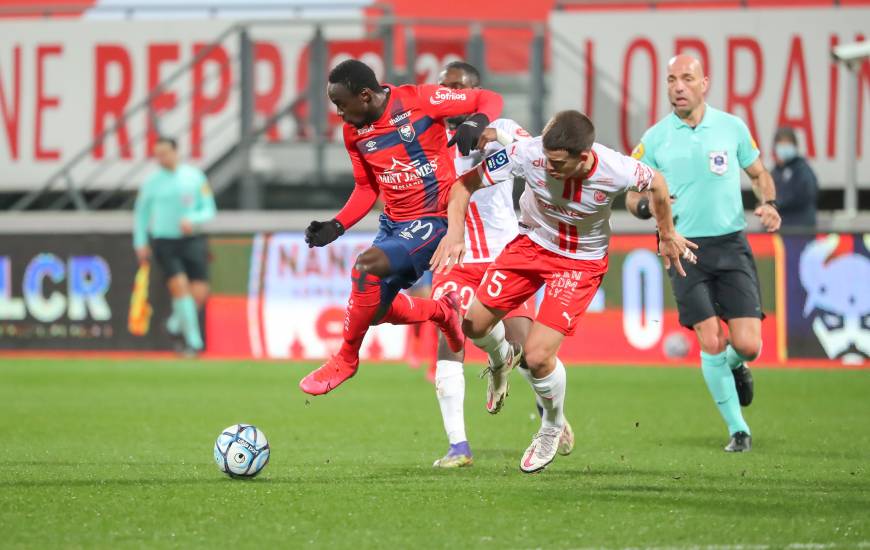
{"x":468,"y":133}
{"x":323,"y":233}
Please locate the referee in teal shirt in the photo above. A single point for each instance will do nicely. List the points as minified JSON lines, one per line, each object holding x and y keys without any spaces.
{"x":171,"y":205}
{"x":701,"y":151}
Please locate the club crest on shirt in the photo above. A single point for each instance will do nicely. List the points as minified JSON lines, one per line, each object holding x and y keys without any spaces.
{"x":600,"y":197}
{"x":407,"y":132}
{"x":718,"y":162}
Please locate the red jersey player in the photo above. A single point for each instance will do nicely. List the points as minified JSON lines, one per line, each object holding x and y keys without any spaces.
{"x":395,"y":136}
{"x":565,"y":229}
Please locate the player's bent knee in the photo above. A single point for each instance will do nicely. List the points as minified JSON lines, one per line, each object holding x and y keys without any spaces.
{"x":710,"y":343}
{"x":747,"y":347}
{"x":374,"y":261}
{"x":474,"y":329}
{"x":540,"y":361}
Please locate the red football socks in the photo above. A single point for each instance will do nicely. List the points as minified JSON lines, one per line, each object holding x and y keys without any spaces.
{"x":363,"y":305}
{"x":365,"y":298}
{"x":406,"y":310}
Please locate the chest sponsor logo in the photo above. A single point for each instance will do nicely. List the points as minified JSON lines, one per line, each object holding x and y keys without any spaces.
{"x":445,"y":94}
{"x":407,"y":133}
{"x":539,"y":163}
{"x":403,"y":174}
{"x":543,"y":198}
{"x":718,"y":162}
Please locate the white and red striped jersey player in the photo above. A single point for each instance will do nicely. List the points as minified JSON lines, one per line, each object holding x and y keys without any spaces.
{"x":570,"y":217}
{"x":490,"y":224}
{"x":565,"y":227}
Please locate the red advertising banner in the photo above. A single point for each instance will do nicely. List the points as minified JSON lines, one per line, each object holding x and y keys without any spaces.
{"x":295,"y":298}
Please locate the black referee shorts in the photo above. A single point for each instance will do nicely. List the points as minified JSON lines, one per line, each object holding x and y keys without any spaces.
{"x":188,"y":255}
{"x":724,"y":282}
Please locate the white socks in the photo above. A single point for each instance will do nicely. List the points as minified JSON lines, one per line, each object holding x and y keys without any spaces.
{"x":450,"y":389}
{"x":550,"y":392}
{"x":495,"y":345}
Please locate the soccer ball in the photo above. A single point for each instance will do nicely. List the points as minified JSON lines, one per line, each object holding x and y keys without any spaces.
{"x":241,"y":451}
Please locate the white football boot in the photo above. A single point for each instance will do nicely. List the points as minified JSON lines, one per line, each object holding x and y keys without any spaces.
{"x":542,"y":451}
{"x":498,"y":382}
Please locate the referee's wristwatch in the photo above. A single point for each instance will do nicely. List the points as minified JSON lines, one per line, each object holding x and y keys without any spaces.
{"x":773,"y":203}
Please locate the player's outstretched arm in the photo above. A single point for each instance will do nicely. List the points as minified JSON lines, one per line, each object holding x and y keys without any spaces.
{"x":672,"y":246}
{"x":764,"y":189}
{"x":362,"y":199}
{"x":357,"y":206}
{"x":451,"y":249}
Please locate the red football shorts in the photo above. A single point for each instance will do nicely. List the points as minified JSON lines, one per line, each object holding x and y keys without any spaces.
{"x":464,"y":280}
{"x":521,"y":269}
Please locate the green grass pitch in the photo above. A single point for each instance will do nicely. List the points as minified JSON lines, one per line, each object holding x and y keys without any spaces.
{"x":107,"y":453}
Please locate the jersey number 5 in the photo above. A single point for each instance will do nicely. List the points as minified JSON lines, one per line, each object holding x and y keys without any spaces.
{"x":495,"y":287}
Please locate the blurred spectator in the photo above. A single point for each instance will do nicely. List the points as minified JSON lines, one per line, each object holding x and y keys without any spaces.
{"x":796,"y":185}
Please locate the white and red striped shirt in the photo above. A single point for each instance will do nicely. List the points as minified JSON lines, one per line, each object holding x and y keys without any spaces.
{"x":491,"y":222}
{"x":570,"y":217}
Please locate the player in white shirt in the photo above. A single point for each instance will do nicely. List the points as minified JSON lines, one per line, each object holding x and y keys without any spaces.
{"x":491,"y":223}
{"x":570,"y":183}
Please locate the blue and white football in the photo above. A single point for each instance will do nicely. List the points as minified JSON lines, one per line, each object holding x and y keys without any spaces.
{"x":241,"y":451}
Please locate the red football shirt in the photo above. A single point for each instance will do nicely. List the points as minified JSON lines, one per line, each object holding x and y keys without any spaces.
{"x":404,"y":155}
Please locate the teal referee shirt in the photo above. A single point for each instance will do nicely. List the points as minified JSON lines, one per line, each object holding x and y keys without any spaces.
{"x":166,"y":198}
{"x":702,"y":166}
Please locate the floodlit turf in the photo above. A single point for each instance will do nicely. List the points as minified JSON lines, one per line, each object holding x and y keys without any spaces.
{"x":100,"y":453}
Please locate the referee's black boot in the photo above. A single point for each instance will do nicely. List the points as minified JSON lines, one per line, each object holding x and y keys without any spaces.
{"x":741,"y":442}
{"x":745,"y":385}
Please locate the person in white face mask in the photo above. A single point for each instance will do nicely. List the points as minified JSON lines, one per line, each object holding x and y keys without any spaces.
{"x":796,"y":185}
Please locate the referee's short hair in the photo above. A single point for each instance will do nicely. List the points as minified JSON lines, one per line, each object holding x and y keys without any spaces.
{"x":172,"y":142}
{"x":570,"y":131}
{"x":355,"y":76}
{"x":466,"y":68}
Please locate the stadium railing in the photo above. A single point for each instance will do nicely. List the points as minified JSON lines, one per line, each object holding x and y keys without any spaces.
{"x":310,"y":158}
